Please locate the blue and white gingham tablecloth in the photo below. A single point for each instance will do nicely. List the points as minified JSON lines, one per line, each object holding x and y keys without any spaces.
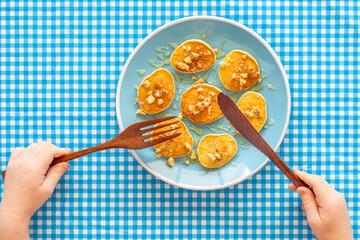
{"x":60,"y":62}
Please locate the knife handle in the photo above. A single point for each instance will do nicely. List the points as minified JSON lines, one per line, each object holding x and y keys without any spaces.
{"x":284,"y":168}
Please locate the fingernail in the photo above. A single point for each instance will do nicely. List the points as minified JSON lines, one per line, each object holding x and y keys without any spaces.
{"x":66,"y":166}
{"x":300,"y":191}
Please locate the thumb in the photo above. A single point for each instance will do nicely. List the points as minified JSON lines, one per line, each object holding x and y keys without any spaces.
{"x":54,"y":174}
{"x":310,"y":205}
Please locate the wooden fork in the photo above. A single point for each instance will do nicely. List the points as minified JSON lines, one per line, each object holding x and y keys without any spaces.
{"x":131,"y":138}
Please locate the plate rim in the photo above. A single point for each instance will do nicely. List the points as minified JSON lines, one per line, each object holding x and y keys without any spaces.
{"x":214,"y":18}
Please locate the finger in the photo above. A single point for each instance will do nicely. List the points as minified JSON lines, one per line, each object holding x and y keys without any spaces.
{"x":309,"y":204}
{"x":56,"y":151}
{"x":16,"y":153}
{"x":31,"y":149}
{"x":49,"y":151}
{"x":40,"y":148}
{"x":61,"y":151}
{"x":321,"y":188}
{"x":53,"y":176}
{"x":292,"y":187}
{"x":29,"y":153}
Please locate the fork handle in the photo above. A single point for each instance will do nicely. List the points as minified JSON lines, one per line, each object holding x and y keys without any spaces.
{"x":77,"y":154}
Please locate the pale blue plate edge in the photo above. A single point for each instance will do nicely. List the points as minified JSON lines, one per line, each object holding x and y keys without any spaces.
{"x":267,"y":46}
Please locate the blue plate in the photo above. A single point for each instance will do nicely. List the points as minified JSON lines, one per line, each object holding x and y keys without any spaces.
{"x":236,"y":36}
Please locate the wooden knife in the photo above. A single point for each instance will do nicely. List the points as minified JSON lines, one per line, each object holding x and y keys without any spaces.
{"x":244,"y":127}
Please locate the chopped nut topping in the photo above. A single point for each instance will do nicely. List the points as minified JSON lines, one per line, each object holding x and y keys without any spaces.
{"x":211,"y":156}
{"x":170,"y":162}
{"x":141,"y":112}
{"x":183,"y":66}
{"x":215,"y":50}
{"x":207,"y":102}
{"x":212,"y":93}
{"x":200,"y":90}
{"x":149,"y":92}
{"x":222,"y":64}
{"x":242,"y":82}
{"x":141,"y":103}
{"x":252,"y":111}
{"x":180,"y":116}
{"x":159,"y":149}
{"x":194,"y":55}
{"x":159,"y":93}
{"x":201,"y":97}
{"x":160,"y":101}
{"x":188,"y":60}
{"x":193,"y":77}
{"x":254,"y":75}
{"x":233,"y":76}
{"x":150,"y":99}
{"x":187,"y":162}
{"x":244,"y":56}
{"x":237,"y":134}
{"x":187,"y":145}
{"x":199,"y":81}
{"x":193,"y":155}
{"x":244,"y":75}
{"x":146,"y":84}
{"x":201,"y":106}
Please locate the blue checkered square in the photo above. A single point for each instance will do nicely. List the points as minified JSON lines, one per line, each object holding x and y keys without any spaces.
{"x":59,"y":66}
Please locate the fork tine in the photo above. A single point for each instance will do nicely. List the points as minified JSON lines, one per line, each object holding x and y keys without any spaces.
{"x":159,"y":133}
{"x":153,"y":121}
{"x":157,"y":127}
{"x":160,"y":140}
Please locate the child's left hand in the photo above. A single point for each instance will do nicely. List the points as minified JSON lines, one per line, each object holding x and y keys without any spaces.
{"x":29,"y":180}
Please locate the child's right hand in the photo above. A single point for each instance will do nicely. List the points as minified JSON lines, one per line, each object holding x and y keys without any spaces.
{"x":327,"y":213}
{"x":29,"y":180}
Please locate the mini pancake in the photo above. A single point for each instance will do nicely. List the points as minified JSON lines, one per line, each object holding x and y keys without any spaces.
{"x":193,"y":56}
{"x":156,"y":91}
{"x":239,"y":71}
{"x":176,"y":147}
{"x":199,"y":103}
{"x":215,"y":151}
{"x":253,"y":106}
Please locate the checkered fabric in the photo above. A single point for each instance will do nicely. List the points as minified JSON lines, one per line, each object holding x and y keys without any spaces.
{"x":60,"y":62}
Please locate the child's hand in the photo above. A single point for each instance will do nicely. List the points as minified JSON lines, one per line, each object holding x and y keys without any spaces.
{"x":327,"y":213}
{"x":29,"y":182}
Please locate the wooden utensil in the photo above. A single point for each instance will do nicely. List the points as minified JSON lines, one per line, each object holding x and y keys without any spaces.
{"x":244,"y":127}
{"x":131,"y":138}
